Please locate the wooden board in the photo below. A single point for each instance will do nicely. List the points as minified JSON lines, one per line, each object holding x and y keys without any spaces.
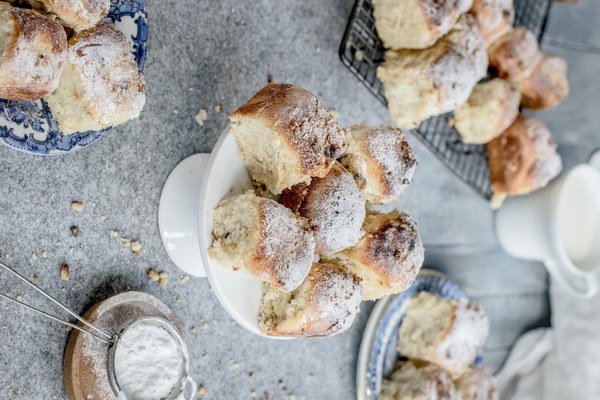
{"x":85,"y":375}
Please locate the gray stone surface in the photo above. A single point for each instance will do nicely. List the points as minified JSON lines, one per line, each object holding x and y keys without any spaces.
{"x":203,"y":54}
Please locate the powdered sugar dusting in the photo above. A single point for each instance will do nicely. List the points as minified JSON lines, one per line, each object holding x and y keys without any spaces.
{"x":548,"y":163}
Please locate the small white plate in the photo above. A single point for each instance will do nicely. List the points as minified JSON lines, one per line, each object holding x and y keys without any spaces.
{"x":226,"y":175}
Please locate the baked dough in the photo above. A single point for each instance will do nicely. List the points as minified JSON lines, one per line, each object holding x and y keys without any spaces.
{"x":286,"y":136}
{"x":381,"y":160}
{"x":76,"y":14}
{"x":324,"y":304}
{"x":477,"y":384}
{"x":445,"y":332}
{"x":333,"y":206}
{"x":492,"y":107}
{"x":388,"y":257}
{"x":33,"y":49}
{"x":100,"y":85}
{"x":522,"y":159}
{"x":547,"y":84}
{"x":494,"y":18}
{"x":416,"y":24}
{"x":515,"y":54}
{"x":263,"y":238}
{"x":419,"y":84}
{"x":414,"y":380}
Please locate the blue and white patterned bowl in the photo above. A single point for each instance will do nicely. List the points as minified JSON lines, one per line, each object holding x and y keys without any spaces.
{"x":29,"y":126}
{"x":378,"y":354}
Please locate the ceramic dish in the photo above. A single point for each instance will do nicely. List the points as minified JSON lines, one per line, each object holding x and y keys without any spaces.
{"x":29,"y":126}
{"x":378,"y":355}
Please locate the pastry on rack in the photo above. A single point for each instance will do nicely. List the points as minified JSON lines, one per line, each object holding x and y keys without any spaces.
{"x":76,"y":14}
{"x":494,"y":18}
{"x":415,"y":24}
{"x":324,"y":304}
{"x":333,"y":206}
{"x":522,"y":159}
{"x":100,"y":85}
{"x":477,"y":384}
{"x":492,"y":107}
{"x":286,"y":136}
{"x":263,"y":238}
{"x":419,"y":84}
{"x":33,"y":49}
{"x":381,"y":160}
{"x":415,"y":380}
{"x":515,"y":54}
{"x":388,"y":257}
{"x":446,"y":332}
{"x":547,"y":85}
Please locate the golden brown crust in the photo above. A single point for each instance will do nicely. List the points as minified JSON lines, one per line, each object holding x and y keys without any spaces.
{"x":523,"y":158}
{"x":305,"y":125}
{"x":547,"y":84}
{"x":515,"y":54}
{"x":494,"y":17}
{"x":32,"y":63}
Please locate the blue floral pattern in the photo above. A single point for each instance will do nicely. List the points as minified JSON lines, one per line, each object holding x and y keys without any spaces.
{"x":29,"y":125}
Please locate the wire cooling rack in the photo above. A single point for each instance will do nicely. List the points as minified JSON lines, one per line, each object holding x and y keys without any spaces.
{"x":362,"y":52}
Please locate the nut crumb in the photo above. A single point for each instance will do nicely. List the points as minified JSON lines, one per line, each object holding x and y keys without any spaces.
{"x":163,"y":282}
{"x":163,"y":275}
{"x":193,"y":329}
{"x":153,"y":274}
{"x":205,"y":325}
{"x":77,"y":206}
{"x":136,"y":246}
{"x":44,"y":254}
{"x":112,"y":233}
{"x":64,"y":273}
{"x":271,"y":79}
{"x":68,"y":328}
{"x":19,"y":297}
{"x":235,"y":364}
{"x":33,"y":256}
{"x":178,"y":299}
{"x":126,"y":242}
{"x":135,"y":253}
{"x":74,"y":231}
{"x":205,"y":355}
{"x":218,"y":108}
{"x":36,"y":277}
{"x":201,"y":117}
{"x":202,"y":392}
{"x":184,"y":278}
{"x":144,"y":251}
{"x":102,"y":217}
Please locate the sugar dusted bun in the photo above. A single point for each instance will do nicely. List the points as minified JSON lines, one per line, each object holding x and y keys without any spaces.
{"x":494,"y":18}
{"x":382,"y":162}
{"x":76,"y":14}
{"x":333,"y":206}
{"x":422,"y":83}
{"x":547,"y":84}
{"x":445,"y":332}
{"x":416,"y":24}
{"x":286,"y":136}
{"x":388,"y":257}
{"x":477,"y":384}
{"x":33,"y":49}
{"x":263,"y":238}
{"x":492,"y":107}
{"x":515,"y":54}
{"x":414,"y":380}
{"x":324,"y":304}
{"x":523,"y":158}
{"x":100,"y":85}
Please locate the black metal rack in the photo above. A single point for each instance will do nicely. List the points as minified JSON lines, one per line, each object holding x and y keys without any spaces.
{"x":362,"y":51}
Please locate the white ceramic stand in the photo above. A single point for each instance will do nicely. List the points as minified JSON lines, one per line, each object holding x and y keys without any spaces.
{"x":178,"y":214}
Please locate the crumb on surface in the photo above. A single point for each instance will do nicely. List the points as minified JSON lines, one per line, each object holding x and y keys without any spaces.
{"x":205,"y":355}
{"x":218,"y":108}
{"x":126,"y":242}
{"x":44,"y":254}
{"x":202,"y":392}
{"x":33,"y":256}
{"x":334,"y":113}
{"x":77,"y":206}
{"x":235,"y":364}
{"x":113,"y":233}
{"x":74,"y":231}
{"x":451,"y":122}
{"x":36,"y":277}
{"x":163,"y":282}
{"x":136,"y":246}
{"x":153,"y":274}
{"x":184,"y":278}
{"x":65,"y":275}
{"x":201,"y":117}
{"x":19,"y":297}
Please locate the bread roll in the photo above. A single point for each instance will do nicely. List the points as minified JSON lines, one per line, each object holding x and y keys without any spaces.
{"x":448,"y":333}
{"x":494,"y":18}
{"x":422,"y":83}
{"x":414,"y":380}
{"x":263,"y":238}
{"x":388,"y":257}
{"x":547,"y":84}
{"x":416,"y":24}
{"x":325,"y":304}
{"x":33,"y":49}
{"x":492,"y":107}
{"x":523,"y":158}
{"x":515,"y":54}
{"x":76,"y":14}
{"x":286,"y":136}
{"x":333,"y":206}
{"x":382,"y":162}
{"x":477,"y":384}
{"x":100,"y":85}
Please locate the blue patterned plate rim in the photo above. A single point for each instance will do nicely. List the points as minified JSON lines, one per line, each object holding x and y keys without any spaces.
{"x":28,"y":126}
{"x":378,"y":354}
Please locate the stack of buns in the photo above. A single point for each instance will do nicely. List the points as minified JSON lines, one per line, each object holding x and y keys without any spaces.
{"x":314,"y":183}
{"x":453,"y":54}
{"x":441,"y":339}
{"x":83,"y":68}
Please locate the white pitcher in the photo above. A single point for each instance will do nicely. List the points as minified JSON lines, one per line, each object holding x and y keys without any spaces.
{"x":560,"y":226}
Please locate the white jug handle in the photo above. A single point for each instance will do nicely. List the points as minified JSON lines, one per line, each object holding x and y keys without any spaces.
{"x":595,"y":159}
{"x":557,"y":274}
{"x":189,"y":390}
